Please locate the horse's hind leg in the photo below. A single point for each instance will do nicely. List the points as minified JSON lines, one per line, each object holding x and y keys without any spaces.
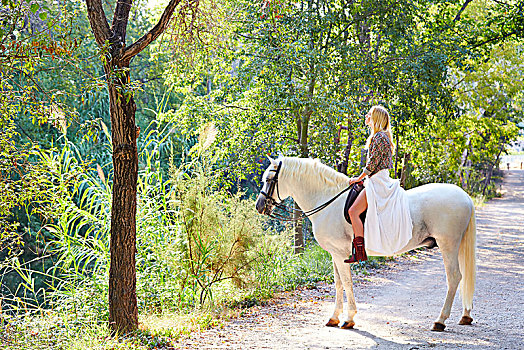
{"x":466,"y":317}
{"x":453,"y":276}
{"x":339,"y":298}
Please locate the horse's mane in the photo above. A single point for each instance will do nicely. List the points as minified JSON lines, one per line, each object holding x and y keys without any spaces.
{"x":312,"y":171}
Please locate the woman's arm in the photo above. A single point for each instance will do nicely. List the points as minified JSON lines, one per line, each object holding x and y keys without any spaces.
{"x":352,"y":180}
{"x":377,"y":146}
{"x":373,"y":157}
{"x":366,"y":171}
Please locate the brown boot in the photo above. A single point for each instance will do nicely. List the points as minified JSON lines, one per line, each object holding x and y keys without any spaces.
{"x":358,"y":251}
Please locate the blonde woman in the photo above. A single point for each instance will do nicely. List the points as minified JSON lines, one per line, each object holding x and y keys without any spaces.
{"x":388,"y":225}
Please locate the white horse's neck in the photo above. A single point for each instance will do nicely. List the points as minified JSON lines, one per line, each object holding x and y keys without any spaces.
{"x":310,"y":182}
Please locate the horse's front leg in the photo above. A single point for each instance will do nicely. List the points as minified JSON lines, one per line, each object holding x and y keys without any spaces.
{"x":339,"y":298}
{"x":347,"y":282}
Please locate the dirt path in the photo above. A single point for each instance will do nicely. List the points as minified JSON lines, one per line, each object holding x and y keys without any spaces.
{"x":397,"y":307}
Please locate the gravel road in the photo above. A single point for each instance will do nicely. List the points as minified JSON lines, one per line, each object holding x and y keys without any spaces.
{"x":397,"y":306}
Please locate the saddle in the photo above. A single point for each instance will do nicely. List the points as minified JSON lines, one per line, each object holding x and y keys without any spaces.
{"x":352,"y":196}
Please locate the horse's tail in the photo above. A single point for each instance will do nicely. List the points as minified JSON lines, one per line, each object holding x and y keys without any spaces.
{"x":468,"y":263}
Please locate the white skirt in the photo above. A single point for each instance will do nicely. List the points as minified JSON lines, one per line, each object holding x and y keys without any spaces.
{"x":388,"y":226}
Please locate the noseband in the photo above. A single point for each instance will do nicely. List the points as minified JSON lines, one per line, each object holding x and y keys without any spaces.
{"x":273,"y":183}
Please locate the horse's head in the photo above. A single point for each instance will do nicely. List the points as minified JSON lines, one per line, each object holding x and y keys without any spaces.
{"x":269,"y":194}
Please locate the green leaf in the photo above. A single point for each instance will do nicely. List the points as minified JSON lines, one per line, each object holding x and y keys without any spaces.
{"x":43,"y":16}
{"x":105,"y":129}
{"x":34,"y":7}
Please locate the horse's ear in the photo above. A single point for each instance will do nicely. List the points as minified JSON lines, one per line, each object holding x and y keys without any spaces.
{"x":273,"y":162}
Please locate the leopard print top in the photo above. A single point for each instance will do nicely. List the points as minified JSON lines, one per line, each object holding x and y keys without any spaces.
{"x":380,"y":154}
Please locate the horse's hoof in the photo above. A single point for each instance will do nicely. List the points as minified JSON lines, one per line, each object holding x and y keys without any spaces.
{"x":465,"y":320}
{"x":348,"y":325}
{"x":332,"y":323}
{"x":438,"y":327}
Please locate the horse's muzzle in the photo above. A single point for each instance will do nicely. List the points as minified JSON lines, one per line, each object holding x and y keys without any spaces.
{"x":264,"y":205}
{"x":261,"y":203}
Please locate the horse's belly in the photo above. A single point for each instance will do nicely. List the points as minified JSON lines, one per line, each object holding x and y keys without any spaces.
{"x":331,"y":234}
{"x":438,"y":209}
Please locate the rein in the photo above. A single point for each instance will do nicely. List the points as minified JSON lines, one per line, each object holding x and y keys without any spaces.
{"x":273,"y":183}
{"x":304,"y":214}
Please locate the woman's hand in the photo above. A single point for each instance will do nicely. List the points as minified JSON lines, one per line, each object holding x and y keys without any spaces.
{"x":352,"y":180}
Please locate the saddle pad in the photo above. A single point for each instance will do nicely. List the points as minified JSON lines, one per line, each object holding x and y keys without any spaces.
{"x":352,"y":196}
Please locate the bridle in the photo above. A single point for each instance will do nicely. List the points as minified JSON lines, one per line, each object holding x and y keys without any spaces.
{"x":273,"y":183}
{"x":270,"y":202}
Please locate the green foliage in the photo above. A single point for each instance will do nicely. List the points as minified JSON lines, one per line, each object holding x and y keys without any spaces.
{"x":209,"y":242}
{"x":193,"y":238}
{"x":223,"y":88}
{"x":54,"y":330}
{"x":466,"y":149}
{"x":25,"y":47}
{"x":298,"y":70}
{"x":313,"y":266}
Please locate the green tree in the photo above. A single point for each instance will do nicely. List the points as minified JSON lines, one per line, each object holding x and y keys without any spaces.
{"x":325,"y":62}
{"x":489,"y":93}
{"x":116,"y":56}
{"x":30,"y":41}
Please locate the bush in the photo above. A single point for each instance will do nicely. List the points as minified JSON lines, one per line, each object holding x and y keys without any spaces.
{"x":208,"y":244}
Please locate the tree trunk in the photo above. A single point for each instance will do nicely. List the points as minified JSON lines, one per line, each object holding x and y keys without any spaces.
{"x":298,"y":246}
{"x":462,"y":171}
{"x":123,"y":309}
{"x":347,"y":151}
{"x":405,"y":170}
{"x":396,"y":152}
{"x":363,"y":156}
{"x":302,"y":126}
{"x":304,"y":152}
{"x":489,"y":173}
{"x":342,"y":167}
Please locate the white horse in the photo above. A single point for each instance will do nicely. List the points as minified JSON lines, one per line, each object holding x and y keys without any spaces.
{"x":441,"y":213}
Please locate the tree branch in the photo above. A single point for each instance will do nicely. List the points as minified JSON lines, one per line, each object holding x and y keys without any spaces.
{"x":501,"y":3}
{"x":457,"y":17}
{"x":120,"y":18}
{"x":224,"y":106}
{"x":98,"y":21}
{"x":500,"y":37}
{"x":249,"y":37}
{"x":154,"y":33}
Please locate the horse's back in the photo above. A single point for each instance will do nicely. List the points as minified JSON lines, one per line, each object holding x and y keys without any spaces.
{"x":440,"y":208}
{"x":436,"y":192}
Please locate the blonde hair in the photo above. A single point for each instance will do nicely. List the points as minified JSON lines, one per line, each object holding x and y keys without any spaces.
{"x":380,"y":121}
